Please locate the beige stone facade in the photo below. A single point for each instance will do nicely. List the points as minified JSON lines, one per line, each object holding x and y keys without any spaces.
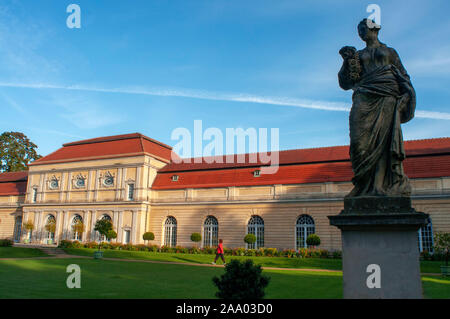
{"x":140,"y":208}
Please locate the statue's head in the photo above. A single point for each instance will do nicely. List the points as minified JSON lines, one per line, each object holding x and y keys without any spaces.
{"x":368,"y":29}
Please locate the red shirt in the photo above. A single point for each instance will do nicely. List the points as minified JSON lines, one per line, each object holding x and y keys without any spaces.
{"x":220,"y":249}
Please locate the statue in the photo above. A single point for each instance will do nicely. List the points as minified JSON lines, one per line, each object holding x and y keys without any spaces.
{"x":383,"y":98}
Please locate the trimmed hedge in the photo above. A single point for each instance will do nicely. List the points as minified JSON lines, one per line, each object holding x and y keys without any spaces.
{"x":6,"y":243}
{"x":425,"y":255}
{"x":196,"y":237}
{"x":261,"y":252}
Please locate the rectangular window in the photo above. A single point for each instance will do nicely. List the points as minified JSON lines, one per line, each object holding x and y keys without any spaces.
{"x":34,"y":195}
{"x":126,"y":236}
{"x":130,"y":191}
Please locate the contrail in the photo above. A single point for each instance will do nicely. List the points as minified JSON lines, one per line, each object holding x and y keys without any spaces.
{"x":208,"y":95}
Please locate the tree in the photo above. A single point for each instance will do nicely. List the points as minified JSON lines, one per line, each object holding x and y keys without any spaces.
{"x":250,"y":239}
{"x":148,"y":236}
{"x":111,"y":234}
{"x":313,"y":240}
{"x":103,"y":226}
{"x":196,"y":237}
{"x":241,"y":280}
{"x":51,"y":226}
{"x":442,"y":245}
{"x":29,"y":226}
{"x":16,"y":152}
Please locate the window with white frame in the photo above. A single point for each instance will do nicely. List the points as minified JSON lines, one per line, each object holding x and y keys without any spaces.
{"x":210,"y":232}
{"x":304,"y":227}
{"x":256,"y":227}
{"x":130,"y":193}
{"x":77,"y":224}
{"x":50,"y":223}
{"x":425,"y":237}
{"x":170,"y":232}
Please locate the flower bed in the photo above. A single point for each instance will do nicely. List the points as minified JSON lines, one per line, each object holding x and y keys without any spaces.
{"x":261,"y":252}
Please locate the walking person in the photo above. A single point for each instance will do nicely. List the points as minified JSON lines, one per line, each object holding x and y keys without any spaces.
{"x":219,"y":252}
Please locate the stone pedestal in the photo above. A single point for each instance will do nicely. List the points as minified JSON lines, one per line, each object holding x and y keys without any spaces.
{"x":379,"y":237}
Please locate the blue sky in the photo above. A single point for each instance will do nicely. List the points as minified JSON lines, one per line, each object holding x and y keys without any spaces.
{"x":152,"y":66}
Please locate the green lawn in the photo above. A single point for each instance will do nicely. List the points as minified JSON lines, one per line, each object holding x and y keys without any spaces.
{"x":46,"y":278}
{"x":277,"y":262}
{"x":19,"y":252}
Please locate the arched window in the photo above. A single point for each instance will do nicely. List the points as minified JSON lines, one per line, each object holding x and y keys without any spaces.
{"x":256,"y":227}
{"x":77,"y":225}
{"x":50,"y":227}
{"x":170,"y":232}
{"x":304,"y":228}
{"x":210,"y":232}
{"x":103,"y":237}
{"x":425,"y":235}
{"x":18,"y":229}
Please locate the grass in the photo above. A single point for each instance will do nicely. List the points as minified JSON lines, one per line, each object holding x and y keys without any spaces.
{"x":46,"y":278}
{"x":19,"y":252}
{"x":118,"y":279}
{"x":276,"y":262}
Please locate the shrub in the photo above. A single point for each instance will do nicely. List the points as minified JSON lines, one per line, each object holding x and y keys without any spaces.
{"x":241,"y":280}
{"x":111,"y":234}
{"x":6,"y":243}
{"x":115,"y":246}
{"x":76,"y":244}
{"x":65,"y":244}
{"x":442,"y":245}
{"x":153,"y":248}
{"x":250,"y":252}
{"x":194,"y":250}
{"x":313,"y":240}
{"x":337,"y":254}
{"x":238,"y":252}
{"x":196,"y":237}
{"x":270,"y":252}
{"x":289,"y":253}
{"x":91,"y":244}
{"x":208,"y":250}
{"x":250,"y":239}
{"x":148,"y":236}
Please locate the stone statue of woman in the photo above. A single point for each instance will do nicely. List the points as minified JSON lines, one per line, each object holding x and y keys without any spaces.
{"x":383,"y":98}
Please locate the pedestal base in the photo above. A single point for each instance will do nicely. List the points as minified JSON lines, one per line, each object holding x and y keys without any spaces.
{"x":379,"y":247}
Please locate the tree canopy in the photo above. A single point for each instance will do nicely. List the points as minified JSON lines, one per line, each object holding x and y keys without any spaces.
{"x":16,"y":152}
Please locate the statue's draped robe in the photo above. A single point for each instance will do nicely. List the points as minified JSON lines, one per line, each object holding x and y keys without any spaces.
{"x":383,"y":98}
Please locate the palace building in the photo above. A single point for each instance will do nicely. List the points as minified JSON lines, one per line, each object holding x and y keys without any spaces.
{"x":131,"y":180}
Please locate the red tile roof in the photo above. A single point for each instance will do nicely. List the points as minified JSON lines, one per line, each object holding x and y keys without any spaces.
{"x":425,"y":158}
{"x":13,"y":176}
{"x":13,"y":183}
{"x":108,"y":147}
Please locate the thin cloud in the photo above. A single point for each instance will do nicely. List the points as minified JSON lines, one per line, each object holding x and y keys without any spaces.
{"x":208,"y":95}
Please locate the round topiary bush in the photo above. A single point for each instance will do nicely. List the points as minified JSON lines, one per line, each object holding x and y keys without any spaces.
{"x":111,"y":234}
{"x":241,"y":280}
{"x":250,"y":239}
{"x":313,"y":240}
{"x":148,"y":236}
{"x":196,"y":237}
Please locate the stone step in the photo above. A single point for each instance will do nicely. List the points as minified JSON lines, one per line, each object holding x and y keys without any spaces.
{"x":48,"y":249}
